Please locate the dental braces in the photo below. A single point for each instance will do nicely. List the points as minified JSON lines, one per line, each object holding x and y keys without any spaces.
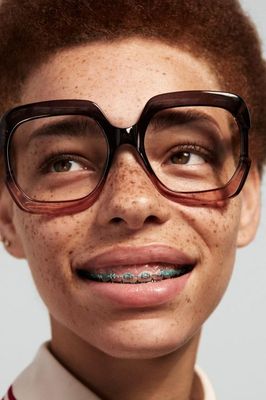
{"x":143,"y":277}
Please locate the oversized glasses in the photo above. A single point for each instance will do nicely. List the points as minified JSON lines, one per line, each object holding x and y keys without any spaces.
{"x":193,"y":145}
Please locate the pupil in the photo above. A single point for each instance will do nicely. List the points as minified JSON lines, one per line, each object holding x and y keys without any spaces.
{"x":181,"y":158}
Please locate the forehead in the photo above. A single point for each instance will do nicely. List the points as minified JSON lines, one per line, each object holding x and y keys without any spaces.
{"x":119,"y":76}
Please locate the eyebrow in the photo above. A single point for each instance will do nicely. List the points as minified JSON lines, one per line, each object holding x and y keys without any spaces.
{"x":169,"y":117}
{"x":66,"y":127}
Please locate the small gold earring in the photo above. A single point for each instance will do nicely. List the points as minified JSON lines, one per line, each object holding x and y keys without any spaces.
{"x":5,"y":241}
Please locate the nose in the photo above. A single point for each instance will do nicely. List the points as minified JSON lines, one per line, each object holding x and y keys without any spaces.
{"x":129,"y":198}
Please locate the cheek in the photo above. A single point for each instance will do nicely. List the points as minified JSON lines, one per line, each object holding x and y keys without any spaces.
{"x":48,"y":244}
{"x":215,"y":229}
{"x":215,"y":234}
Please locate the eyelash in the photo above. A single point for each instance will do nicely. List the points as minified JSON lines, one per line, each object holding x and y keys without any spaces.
{"x":59,"y":156}
{"x":202,"y":151}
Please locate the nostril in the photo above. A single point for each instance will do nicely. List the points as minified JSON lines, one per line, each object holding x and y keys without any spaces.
{"x":117,"y":220}
{"x":151,"y":219}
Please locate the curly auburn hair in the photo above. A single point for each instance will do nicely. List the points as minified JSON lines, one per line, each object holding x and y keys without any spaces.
{"x":217,"y":31}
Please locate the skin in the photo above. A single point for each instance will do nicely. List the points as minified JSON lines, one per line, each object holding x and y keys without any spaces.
{"x":159,"y":344}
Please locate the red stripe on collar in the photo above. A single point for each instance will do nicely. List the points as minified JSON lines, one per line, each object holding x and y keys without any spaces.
{"x":10,"y":394}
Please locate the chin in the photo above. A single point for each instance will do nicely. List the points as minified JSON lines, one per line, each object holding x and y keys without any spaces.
{"x":140,"y":343}
{"x":144,"y":350}
{"x":141,"y":353}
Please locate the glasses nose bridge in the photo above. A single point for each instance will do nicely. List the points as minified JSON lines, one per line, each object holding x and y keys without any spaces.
{"x":127,"y":136}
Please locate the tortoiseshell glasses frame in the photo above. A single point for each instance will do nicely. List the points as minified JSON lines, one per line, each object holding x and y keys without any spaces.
{"x":133,"y":136}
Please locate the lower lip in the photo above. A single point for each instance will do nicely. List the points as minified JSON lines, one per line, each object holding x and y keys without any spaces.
{"x":141,"y":295}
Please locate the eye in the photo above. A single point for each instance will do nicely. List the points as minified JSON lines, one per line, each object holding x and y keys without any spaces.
{"x":189,"y":154}
{"x":186,"y":158}
{"x":66,"y":165}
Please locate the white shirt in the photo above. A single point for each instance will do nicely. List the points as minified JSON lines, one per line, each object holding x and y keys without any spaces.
{"x":45,"y":378}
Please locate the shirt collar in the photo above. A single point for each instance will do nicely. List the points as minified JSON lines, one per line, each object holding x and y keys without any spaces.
{"x":206,"y":384}
{"x":45,"y":378}
{"x":48,"y":379}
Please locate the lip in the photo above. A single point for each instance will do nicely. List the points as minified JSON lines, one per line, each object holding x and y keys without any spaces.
{"x":136,"y":255}
{"x":144,"y":295}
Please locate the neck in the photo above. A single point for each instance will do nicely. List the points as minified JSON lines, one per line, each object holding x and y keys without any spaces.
{"x":169,"y":377}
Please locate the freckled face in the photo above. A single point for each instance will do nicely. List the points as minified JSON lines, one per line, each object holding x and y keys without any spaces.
{"x":121,"y":77}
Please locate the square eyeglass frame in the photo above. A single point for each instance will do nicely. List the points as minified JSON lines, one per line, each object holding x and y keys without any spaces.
{"x":134,"y":136}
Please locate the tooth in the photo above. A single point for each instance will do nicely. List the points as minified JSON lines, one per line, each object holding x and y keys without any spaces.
{"x":106,"y":277}
{"x":117,"y":278}
{"x":173,"y":273}
{"x":156,"y":277}
{"x":144,"y":276}
{"x":168,"y":273}
{"x":100,"y":277}
{"x":112,"y":276}
{"x":128,"y":277}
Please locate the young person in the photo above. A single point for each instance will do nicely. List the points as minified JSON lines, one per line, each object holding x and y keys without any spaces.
{"x":127,"y":183}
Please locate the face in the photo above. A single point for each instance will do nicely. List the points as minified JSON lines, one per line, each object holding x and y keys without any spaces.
{"x":131,"y":227}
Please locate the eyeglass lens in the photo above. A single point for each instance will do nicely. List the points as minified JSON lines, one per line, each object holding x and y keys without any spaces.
{"x":61,"y":158}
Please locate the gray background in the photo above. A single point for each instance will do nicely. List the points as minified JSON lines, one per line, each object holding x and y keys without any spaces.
{"x":233,"y":347}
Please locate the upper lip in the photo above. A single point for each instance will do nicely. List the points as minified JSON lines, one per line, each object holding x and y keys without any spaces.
{"x":136,"y":255}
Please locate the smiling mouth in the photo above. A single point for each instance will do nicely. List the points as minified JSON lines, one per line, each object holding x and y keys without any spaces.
{"x":157,"y":274}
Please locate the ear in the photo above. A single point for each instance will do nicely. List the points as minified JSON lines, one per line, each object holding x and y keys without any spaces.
{"x":250,"y":208}
{"x":7,"y":226}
